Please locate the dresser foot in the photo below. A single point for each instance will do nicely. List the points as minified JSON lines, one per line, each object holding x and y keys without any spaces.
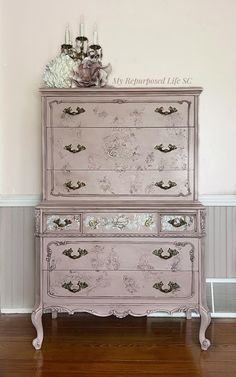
{"x":54,"y":314}
{"x":189,"y":314}
{"x":205,"y":322}
{"x":36,"y":318}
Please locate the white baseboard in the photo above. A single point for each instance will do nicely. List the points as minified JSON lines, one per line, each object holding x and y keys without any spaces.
{"x":16,"y":311}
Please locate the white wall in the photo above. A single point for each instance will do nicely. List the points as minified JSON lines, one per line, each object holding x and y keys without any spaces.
{"x":143,"y":39}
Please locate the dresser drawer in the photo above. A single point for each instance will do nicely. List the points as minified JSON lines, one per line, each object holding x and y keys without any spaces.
{"x":166,"y":184}
{"x":120,"y":148}
{"x":59,"y":223}
{"x":120,"y":284}
{"x":178,"y":223}
{"x":69,"y":254}
{"x":163,"y":111}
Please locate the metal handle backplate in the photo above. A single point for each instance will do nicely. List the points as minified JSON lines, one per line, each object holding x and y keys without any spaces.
{"x":172,"y":287}
{"x":177,"y":222}
{"x":78,"y":149}
{"x":165,"y":254}
{"x":161,"y":185}
{"x":70,"y":286}
{"x":69,"y":185}
{"x":80,"y":253}
{"x":79,"y":110}
{"x":169,"y":148}
{"x":62,"y":224}
{"x":170,"y":110}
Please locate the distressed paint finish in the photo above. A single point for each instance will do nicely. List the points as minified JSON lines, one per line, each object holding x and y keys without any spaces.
{"x":120,"y":112}
{"x":127,"y":164}
{"x":120,"y":148}
{"x":120,"y":255}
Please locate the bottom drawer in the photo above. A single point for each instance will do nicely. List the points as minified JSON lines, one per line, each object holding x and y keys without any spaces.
{"x":119,"y":284}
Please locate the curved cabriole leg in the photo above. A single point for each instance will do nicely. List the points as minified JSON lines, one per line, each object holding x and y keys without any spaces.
{"x":205,"y":322}
{"x":36,"y":318}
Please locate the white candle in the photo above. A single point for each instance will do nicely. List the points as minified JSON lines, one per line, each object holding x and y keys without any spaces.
{"x":67,"y":35}
{"x":81,"y":26}
{"x":95,"y":35}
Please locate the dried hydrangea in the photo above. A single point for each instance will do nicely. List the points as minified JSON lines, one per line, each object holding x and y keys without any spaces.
{"x":59,"y":72}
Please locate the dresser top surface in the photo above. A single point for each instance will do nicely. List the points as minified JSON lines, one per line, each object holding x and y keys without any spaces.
{"x":125,"y":205}
{"x":121,"y":91}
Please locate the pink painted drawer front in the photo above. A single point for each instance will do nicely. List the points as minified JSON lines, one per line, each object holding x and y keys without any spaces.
{"x":120,"y":255}
{"x":61,"y":223}
{"x":126,"y":284}
{"x":120,"y":148}
{"x":178,"y":223}
{"x":120,"y":112}
{"x":120,"y":223}
{"x":166,"y":184}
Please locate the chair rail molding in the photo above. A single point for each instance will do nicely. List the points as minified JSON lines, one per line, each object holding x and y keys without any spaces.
{"x":19,"y":200}
{"x":22,"y":200}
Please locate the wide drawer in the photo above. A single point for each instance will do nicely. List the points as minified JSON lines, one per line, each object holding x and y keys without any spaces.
{"x":166,"y":184}
{"x":120,"y":148}
{"x":69,"y":254}
{"x":126,"y":284}
{"x":120,"y":112}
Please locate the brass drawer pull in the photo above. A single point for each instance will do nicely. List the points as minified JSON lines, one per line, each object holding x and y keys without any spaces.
{"x":79,"y":110}
{"x":69,"y":286}
{"x":69,"y":253}
{"x":172,"y":287}
{"x":79,"y":148}
{"x":165,"y":187}
{"x":171,"y":147}
{"x":161,"y":254}
{"x":62,"y":224}
{"x":170,"y":110}
{"x":177,"y":222}
{"x":70,"y":186}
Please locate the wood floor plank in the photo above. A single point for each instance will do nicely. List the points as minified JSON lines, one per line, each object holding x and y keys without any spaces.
{"x":88,"y":346}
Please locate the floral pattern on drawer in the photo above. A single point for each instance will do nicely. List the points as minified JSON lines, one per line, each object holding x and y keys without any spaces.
{"x":178,"y":223}
{"x":148,"y":284}
{"x":121,"y":112}
{"x":58,"y":223}
{"x":120,"y":223}
{"x":120,"y":148}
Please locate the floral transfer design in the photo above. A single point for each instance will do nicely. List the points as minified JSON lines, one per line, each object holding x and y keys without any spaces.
{"x":120,"y":222}
{"x":122,"y":147}
{"x":130,"y":284}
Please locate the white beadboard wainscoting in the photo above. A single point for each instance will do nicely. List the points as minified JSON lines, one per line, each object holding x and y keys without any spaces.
{"x":17,"y":254}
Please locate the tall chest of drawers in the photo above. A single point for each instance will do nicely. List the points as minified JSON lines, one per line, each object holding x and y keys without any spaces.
{"x":120,"y":230}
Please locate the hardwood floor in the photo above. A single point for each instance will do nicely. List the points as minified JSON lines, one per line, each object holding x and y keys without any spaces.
{"x":88,"y":346}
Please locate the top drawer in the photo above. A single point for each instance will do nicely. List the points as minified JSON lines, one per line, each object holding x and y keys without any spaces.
{"x":165,"y":111}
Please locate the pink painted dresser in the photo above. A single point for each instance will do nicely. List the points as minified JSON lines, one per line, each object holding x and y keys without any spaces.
{"x":120,"y":230}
